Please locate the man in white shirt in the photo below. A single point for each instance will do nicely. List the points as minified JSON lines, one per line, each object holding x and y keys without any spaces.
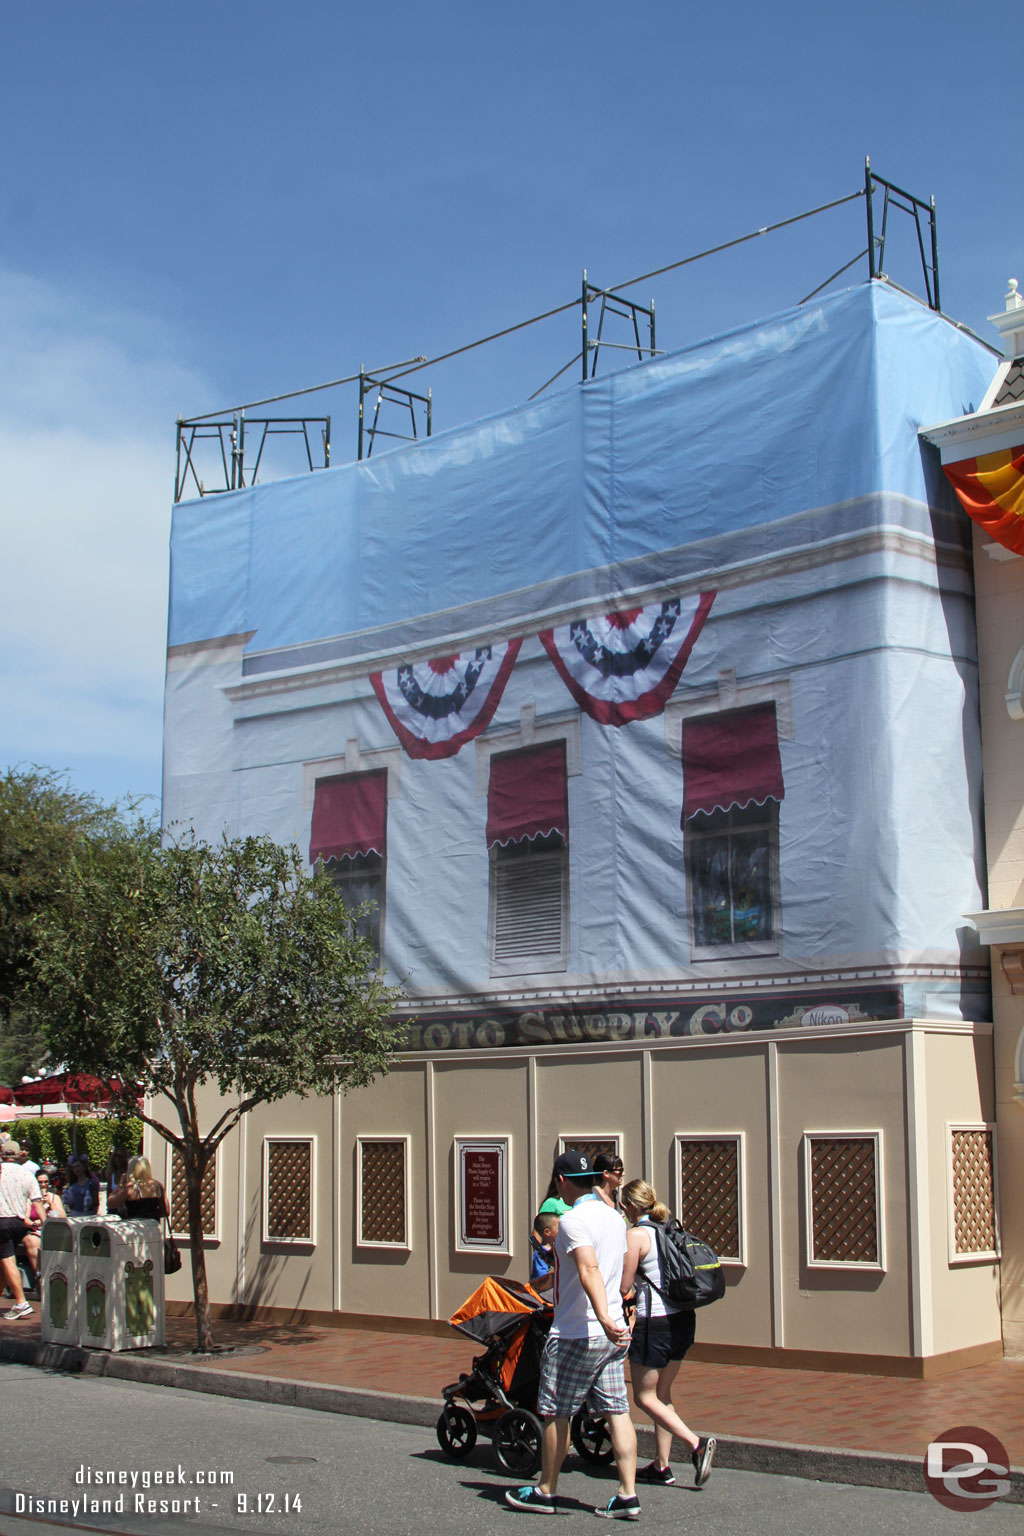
{"x":585,"y":1350}
{"x":17,"y":1188}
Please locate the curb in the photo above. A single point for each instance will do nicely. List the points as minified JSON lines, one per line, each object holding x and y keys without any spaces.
{"x":868,"y":1469}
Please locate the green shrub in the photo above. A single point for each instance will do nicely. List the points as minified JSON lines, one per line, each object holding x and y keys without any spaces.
{"x":50,"y":1141}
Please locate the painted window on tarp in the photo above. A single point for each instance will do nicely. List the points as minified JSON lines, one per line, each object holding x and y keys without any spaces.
{"x":528,"y":839}
{"x":732,"y":786}
{"x":349,"y":833}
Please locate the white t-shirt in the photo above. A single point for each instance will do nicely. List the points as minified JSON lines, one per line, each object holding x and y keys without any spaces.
{"x":594,"y":1224}
{"x":16,"y":1186}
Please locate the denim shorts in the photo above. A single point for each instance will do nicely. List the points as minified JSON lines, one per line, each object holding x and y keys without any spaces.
{"x":659,"y":1340}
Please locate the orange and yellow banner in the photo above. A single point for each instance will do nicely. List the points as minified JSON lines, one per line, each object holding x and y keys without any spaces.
{"x":991,"y":489}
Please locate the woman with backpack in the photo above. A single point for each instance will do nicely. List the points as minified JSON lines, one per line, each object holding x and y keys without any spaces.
{"x":662,"y":1333}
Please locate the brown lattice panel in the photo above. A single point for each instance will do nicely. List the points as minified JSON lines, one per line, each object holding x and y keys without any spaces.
{"x":382,"y":1212}
{"x":289,"y":1191}
{"x":709,"y":1194}
{"x":179,"y":1197}
{"x":844,"y":1222}
{"x":974,"y":1203}
{"x":593,"y":1148}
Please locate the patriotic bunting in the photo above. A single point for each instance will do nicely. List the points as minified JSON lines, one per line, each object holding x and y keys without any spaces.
{"x":437,"y":706}
{"x":624,"y":666}
{"x":991,"y":490}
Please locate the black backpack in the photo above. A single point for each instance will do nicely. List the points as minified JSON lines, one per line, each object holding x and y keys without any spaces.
{"x":691,"y":1272}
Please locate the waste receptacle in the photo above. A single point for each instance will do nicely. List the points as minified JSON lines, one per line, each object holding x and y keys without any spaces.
{"x":120,"y":1285}
{"x":58,"y":1279}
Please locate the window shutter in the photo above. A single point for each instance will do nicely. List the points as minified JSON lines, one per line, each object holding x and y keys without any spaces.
{"x":529,"y":904}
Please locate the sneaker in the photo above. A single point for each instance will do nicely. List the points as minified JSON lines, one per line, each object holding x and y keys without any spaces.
{"x":21,"y":1310}
{"x":531,"y":1499}
{"x":702,"y":1458}
{"x":619,"y":1508}
{"x":656,"y":1474}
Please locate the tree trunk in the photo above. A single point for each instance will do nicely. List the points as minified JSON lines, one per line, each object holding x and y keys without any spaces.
{"x":194,"y":1182}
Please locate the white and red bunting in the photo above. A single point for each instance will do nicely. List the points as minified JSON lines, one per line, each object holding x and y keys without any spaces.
{"x":624,"y":666}
{"x":436,"y":706}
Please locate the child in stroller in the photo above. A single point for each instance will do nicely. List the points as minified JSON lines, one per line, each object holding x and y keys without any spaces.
{"x":512,"y":1321}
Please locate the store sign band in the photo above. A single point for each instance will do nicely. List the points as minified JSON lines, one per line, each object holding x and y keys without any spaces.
{"x":723,"y":1016}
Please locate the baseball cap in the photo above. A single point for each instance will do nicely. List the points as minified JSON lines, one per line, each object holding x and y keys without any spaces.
{"x":573,"y":1165}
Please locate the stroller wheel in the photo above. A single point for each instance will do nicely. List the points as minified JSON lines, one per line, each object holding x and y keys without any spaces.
{"x":456,"y":1431}
{"x":517,"y":1437}
{"x":591,"y":1438}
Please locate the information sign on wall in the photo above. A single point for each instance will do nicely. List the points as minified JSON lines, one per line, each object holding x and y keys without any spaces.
{"x":481,"y":1195}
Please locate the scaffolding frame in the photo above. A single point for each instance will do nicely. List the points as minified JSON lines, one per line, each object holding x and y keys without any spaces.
{"x":389,"y":394}
{"x":230,"y":436}
{"x":904,"y":202}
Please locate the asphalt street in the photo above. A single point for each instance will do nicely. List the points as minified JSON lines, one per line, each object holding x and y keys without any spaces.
{"x":226,"y":1465}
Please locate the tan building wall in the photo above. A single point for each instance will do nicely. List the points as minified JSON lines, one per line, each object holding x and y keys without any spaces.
{"x":288,"y":1233}
{"x":1000,"y":609}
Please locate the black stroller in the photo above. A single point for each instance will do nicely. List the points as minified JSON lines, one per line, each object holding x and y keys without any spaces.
{"x":512,"y":1321}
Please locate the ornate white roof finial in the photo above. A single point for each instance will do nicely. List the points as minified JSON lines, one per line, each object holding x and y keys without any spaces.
{"x":1013,"y":299}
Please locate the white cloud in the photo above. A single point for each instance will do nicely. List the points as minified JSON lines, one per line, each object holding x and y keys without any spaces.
{"x":88,"y":399}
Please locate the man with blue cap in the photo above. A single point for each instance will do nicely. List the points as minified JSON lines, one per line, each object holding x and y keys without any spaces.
{"x":585,"y":1350}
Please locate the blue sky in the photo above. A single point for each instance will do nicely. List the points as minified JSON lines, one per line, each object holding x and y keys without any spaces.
{"x":210,"y":203}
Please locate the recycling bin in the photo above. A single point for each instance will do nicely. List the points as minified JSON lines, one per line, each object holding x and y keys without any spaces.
{"x":120,"y":1285}
{"x":58,"y":1279}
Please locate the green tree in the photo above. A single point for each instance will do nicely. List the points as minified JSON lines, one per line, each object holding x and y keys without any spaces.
{"x":42,"y":822}
{"x":173,"y":966}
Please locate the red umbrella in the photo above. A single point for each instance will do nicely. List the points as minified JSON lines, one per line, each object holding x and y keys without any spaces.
{"x":68,"y":1088}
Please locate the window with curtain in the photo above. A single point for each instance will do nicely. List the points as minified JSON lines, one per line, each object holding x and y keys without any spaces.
{"x":349,"y":833}
{"x":732,"y":787}
{"x":528,"y":840}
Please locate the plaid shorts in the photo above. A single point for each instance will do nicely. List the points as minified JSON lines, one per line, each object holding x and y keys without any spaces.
{"x":574,"y":1371}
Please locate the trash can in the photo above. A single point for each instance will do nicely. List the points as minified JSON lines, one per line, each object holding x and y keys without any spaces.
{"x":120,"y":1285}
{"x":58,"y":1279}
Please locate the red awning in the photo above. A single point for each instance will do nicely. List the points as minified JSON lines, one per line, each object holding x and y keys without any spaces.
{"x":6,"y":1096}
{"x":350,"y":816}
{"x":731,"y":759}
{"x":527,"y":796}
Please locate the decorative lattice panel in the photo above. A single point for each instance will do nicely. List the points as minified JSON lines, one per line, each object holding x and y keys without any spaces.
{"x":974,"y":1201}
{"x":844,"y":1216}
{"x":593,"y":1146}
{"x":709,"y":1193}
{"x":289,"y":1191}
{"x":382,"y":1215}
{"x":179,"y":1197}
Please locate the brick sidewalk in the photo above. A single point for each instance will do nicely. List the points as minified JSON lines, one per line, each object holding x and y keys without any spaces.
{"x":814,"y":1408}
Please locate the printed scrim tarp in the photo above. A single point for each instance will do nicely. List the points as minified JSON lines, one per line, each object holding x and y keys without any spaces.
{"x":646,"y":709}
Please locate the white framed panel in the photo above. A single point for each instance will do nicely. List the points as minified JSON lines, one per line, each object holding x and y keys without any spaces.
{"x":384,"y":1182}
{"x":177,"y":1197}
{"x":289,"y":1215}
{"x":482,"y":1195}
{"x":841,"y":1167}
{"x":722,"y":1175}
{"x":972,"y":1193}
